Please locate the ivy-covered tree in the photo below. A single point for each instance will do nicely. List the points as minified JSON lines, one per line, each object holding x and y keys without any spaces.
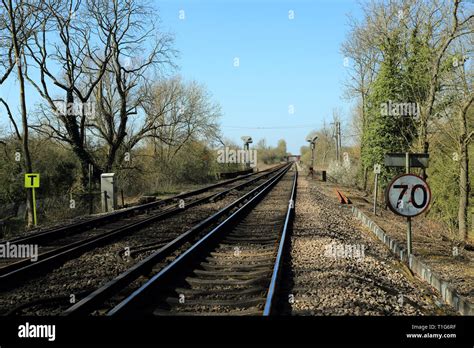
{"x":386,"y":131}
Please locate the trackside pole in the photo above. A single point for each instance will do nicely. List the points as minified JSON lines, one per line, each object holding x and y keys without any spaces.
{"x":34,"y":205}
{"x":32,"y":181}
{"x":409,"y":249}
{"x":406,"y":204}
{"x":375,"y":192}
{"x":91,"y":202}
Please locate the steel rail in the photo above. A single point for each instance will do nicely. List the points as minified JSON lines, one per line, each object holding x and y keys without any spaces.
{"x":132,"y":304}
{"x":97,"y":297}
{"x":21,"y":270}
{"x":270,"y":302}
{"x":69,"y":229}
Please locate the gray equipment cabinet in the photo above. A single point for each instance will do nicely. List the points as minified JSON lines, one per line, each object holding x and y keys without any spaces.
{"x":108,"y":188}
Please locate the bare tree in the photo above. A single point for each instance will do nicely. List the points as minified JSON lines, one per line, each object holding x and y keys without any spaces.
{"x":162,"y":109}
{"x":363,"y":48}
{"x":463,"y":97}
{"x":19,"y":20}
{"x":444,"y":23}
{"x":71,"y":54}
{"x":363,"y":66}
{"x":177,"y":113}
{"x":120,"y":94}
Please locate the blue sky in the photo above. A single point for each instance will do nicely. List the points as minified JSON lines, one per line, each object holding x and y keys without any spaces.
{"x":283,"y":62}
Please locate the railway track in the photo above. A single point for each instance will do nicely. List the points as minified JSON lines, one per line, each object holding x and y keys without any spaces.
{"x":232,"y":269}
{"x":64,"y":243}
{"x":55,"y":232}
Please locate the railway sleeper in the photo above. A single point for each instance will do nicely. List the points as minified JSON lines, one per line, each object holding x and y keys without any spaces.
{"x":262,"y":240}
{"x":227,"y":282}
{"x":246,"y":312}
{"x":232,"y":274}
{"x":239,"y":302}
{"x":242,"y":254}
{"x":237,"y":261}
{"x":225,"y":292}
{"x":237,"y":267}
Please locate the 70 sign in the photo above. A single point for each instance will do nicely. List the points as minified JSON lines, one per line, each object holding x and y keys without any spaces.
{"x":408,"y":195}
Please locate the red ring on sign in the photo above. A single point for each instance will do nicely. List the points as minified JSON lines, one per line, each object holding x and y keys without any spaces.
{"x":387,"y":200}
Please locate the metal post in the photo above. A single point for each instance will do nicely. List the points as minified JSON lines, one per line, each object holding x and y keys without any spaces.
{"x":407,"y":162}
{"x":105,"y":202}
{"x":375,"y":193}
{"x":409,"y":246}
{"x":314,"y":156}
{"x":312,"y":141}
{"x":34,"y":206}
{"x":123,"y":201}
{"x":91,"y":210}
{"x":409,"y":236}
{"x":248,"y":156}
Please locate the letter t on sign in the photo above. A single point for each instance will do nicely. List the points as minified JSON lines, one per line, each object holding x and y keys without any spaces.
{"x":32,"y":180}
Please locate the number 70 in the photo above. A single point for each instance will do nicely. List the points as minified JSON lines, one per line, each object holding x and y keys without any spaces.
{"x":405,"y":188}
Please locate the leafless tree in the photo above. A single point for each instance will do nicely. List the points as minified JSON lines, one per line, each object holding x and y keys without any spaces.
{"x":462,"y":98}
{"x":121,"y":93}
{"x":71,"y":53}
{"x":446,"y":21}
{"x":18,"y":22}
{"x":177,"y":113}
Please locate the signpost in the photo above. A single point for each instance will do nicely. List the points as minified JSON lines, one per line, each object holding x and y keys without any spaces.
{"x":312,"y":141}
{"x":408,"y":195}
{"x":32,"y":180}
{"x":377,"y":169}
{"x":247,"y":141}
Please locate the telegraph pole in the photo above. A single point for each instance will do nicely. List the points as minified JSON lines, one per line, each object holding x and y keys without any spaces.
{"x":337,"y":132}
{"x":312,"y":141}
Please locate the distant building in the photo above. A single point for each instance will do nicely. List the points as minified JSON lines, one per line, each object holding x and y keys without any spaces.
{"x":293,"y":158}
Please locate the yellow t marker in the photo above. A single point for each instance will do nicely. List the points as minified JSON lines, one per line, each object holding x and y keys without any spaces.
{"x":32,"y":180}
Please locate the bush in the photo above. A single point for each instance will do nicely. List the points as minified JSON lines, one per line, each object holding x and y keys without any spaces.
{"x":343,"y":174}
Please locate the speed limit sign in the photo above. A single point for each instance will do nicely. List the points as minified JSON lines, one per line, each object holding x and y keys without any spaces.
{"x":408,"y":195}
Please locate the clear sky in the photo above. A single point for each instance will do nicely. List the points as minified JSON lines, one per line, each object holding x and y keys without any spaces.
{"x":284,"y":64}
{"x":283,"y":61}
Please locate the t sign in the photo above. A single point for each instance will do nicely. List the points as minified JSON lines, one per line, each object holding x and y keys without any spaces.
{"x":32,"y":180}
